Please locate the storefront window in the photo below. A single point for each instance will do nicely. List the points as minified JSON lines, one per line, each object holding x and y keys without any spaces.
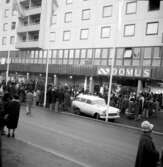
{"x":136,"y":53}
{"x":77,"y":53}
{"x":70,"y":61}
{"x":147,"y":62}
{"x":65,"y":61}
{"x":54,"y":57}
{"x":147,"y":52}
{"x":156,"y":62}
{"x":104,"y":62}
{"x":105,"y":53}
{"x":97,"y":53}
{"x":71,"y":54}
{"x":127,"y":62}
{"x":96,"y":61}
{"x":119,"y":53}
{"x":89,"y":53}
{"x":76,"y":61}
{"x":83,"y":53}
{"x":136,"y":62}
{"x":156,"y":52}
{"x":118,"y":62}
{"x":65,"y":54}
{"x":82,"y":61}
{"x":59,"y":61}
{"x":60,"y":54}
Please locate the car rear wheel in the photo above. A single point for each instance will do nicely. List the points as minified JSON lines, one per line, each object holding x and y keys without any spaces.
{"x":77,"y":111}
{"x":97,"y":116}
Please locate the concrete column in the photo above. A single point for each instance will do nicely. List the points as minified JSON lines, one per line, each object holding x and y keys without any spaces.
{"x":139,"y":87}
{"x":85,"y":84}
{"x":91,"y":85}
{"x":27,"y":76}
{"x":55,"y":80}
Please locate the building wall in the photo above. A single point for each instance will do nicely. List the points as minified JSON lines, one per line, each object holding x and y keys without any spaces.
{"x":96,"y":21}
{"x":11,"y":17}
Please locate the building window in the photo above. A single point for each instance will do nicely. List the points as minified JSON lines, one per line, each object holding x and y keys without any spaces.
{"x":154,"y":5}
{"x":84,"y":34}
{"x":52,"y":36}
{"x":5,"y":26}
{"x":129,"y":30}
{"x":14,"y":12}
{"x":131,"y":7}
{"x":152,"y":28}
{"x":13,"y":25}
{"x":4,"y":41}
{"x":6,"y":13}
{"x":54,"y":19}
{"x":7,"y":1}
{"x":105,"y":32}
{"x":86,"y":14}
{"x":107,"y":11}
{"x":68,"y":17}
{"x":68,"y":2}
{"x":12,"y":40}
{"x":66,"y":35}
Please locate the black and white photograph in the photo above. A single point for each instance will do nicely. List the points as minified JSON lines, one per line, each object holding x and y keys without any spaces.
{"x":81,"y":83}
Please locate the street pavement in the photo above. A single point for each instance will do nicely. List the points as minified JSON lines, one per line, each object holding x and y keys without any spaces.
{"x":77,"y":141}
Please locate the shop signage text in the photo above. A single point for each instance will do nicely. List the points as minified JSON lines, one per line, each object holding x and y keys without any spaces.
{"x":127,"y":72}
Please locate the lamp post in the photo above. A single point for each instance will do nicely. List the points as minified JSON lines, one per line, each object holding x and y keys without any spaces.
{"x":8,"y":66}
{"x":117,"y":29}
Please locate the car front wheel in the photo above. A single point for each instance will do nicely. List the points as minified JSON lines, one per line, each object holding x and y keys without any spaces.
{"x":97,"y":116}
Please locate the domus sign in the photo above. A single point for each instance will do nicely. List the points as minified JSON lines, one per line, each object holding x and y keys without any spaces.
{"x":126,"y":72}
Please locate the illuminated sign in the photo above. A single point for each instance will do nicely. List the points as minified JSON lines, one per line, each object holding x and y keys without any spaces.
{"x":125,"y":71}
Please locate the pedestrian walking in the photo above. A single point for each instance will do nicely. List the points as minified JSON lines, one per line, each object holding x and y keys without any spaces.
{"x":13,"y":115}
{"x":29,"y":102}
{"x":147,"y":155}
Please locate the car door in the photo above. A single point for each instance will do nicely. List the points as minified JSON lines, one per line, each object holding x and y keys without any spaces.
{"x":90,"y":107}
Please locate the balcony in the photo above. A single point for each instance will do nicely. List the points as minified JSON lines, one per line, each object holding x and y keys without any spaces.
{"x":33,"y":10}
{"x":27,"y":28}
{"x":27,"y":44}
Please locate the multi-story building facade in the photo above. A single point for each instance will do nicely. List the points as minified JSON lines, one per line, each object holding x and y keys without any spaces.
{"x":79,"y":35}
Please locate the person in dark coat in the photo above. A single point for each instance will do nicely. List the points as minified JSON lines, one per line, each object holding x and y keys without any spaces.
{"x":13,"y":115}
{"x":147,"y":155}
{"x":2,"y":114}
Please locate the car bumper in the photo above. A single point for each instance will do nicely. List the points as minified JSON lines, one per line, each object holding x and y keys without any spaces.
{"x":109,"y":116}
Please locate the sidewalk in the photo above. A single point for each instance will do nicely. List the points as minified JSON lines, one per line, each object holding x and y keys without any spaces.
{"x":156,"y":121}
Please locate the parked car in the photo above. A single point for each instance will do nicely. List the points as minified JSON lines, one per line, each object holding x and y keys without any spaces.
{"x":93,"y":106}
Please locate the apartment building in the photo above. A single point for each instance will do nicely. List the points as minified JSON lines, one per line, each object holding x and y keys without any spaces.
{"x":78,"y":37}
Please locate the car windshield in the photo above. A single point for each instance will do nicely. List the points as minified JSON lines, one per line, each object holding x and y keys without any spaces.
{"x":99,"y":102}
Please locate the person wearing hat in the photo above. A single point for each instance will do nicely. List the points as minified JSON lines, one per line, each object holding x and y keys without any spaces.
{"x":147,"y":155}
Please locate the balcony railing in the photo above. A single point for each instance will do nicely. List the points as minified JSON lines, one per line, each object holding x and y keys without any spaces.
{"x":28,"y":27}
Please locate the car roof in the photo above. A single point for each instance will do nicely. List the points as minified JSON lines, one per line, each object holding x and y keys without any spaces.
{"x":90,"y":97}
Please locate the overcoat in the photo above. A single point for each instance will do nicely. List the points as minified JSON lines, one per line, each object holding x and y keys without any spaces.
{"x":13,"y":114}
{"x":147,"y":155}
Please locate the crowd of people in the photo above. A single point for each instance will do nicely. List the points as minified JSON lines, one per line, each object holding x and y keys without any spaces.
{"x":145,"y":105}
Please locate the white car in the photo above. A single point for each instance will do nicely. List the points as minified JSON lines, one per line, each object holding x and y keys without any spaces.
{"x":94,"y":106}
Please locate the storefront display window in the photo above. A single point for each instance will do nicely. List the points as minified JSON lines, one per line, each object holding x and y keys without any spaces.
{"x":105,"y":53}
{"x":77,"y":53}
{"x":119,"y":52}
{"x":118,"y":62}
{"x":147,"y":52}
{"x":147,"y":62}
{"x":98,"y":53}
